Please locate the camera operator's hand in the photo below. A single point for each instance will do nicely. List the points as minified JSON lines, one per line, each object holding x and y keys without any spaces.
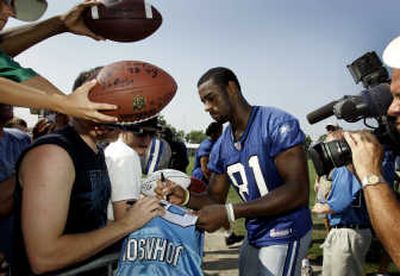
{"x":367,"y":153}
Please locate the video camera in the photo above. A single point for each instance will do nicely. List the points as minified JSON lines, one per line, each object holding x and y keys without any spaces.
{"x":373,"y":102}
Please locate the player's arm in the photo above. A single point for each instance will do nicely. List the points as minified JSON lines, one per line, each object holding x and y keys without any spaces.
{"x":292,"y":166}
{"x":15,"y":40}
{"x":47,"y":175}
{"x":382,"y":204}
{"x":217,"y":191}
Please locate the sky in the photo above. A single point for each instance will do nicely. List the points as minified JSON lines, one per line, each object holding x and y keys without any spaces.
{"x":289,"y":54}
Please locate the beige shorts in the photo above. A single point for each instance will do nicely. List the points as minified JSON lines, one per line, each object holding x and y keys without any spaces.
{"x":344,"y":251}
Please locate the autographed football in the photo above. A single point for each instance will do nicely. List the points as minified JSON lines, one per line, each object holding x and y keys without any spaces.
{"x":150,"y":182}
{"x":139,"y":89}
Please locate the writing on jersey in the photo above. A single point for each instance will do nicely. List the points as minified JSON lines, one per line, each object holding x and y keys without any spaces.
{"x":167,"y":245}
{"x":250,"y":166}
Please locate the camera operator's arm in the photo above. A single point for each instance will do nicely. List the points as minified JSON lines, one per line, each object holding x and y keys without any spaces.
{"x":383,"y":207}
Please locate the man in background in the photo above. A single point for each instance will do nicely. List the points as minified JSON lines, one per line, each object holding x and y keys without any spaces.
{"x":62,"y":192}
{"x":123,"y":163}
{"x":12,"y":143}
{"x":201,"y":172}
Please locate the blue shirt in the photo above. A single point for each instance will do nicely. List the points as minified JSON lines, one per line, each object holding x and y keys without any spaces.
{"x":167,"y":245}
{"x":12,"y":144}
{"x":157,"y":156}
{"x":203,"y":150}
{"x":250,"y":166}
{"x":346,"y":199}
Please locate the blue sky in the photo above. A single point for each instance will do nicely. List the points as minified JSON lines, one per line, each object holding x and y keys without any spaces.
{"x":290,"y":54}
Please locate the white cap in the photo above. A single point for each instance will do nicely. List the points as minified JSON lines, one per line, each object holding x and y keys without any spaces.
{"x":29,"y":10}
{"x":391,"y":54}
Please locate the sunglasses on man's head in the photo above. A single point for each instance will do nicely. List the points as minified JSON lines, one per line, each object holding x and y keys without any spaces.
{"x":142,"y":132}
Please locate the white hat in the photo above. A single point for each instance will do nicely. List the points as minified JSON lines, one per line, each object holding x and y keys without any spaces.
{"x":29,"y":10}
{"x":391,"y":54}
{"x":150,"y":183}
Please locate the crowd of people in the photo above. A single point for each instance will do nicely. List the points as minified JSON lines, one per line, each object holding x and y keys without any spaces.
{"x":71,"y":192}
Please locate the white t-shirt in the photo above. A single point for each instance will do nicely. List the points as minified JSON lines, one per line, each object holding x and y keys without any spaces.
{"x":125,"y":171}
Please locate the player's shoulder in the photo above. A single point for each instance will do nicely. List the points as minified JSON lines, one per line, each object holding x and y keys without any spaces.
{"x":274,"y":113}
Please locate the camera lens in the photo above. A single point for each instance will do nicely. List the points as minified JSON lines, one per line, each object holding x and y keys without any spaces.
{"x":326,"y":156}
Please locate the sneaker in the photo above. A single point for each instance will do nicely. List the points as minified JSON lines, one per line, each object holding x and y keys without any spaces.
{"x":306,"y":268}
{"x":233,"y":238}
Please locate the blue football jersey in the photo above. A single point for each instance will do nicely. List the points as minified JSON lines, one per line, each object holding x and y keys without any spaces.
{"x":167,"y":245}
{"x":250,"y":167}
{"x":203,"y":150}
{"x":157,"y":156}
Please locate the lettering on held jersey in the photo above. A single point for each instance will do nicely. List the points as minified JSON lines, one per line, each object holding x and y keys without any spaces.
{"x":153,"y":249}
{"x":274,"y":233}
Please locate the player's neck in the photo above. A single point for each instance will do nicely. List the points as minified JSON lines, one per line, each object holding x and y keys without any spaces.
{"x":240,"y":119}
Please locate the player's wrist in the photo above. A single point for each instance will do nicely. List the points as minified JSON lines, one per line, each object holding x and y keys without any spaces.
{"x":230,"y":212}
{"x":186,"y":197}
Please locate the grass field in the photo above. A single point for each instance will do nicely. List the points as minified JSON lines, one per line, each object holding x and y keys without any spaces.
{"x":315,"y":252}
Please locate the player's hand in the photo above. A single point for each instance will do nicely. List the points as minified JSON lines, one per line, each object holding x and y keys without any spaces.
{"x":367,"y":153}
{"x":211,"y":217}
{"x":78,"y":105}
{"x":141,"y":212}
{"x":170,"y":191}
{"x":74,"y":23}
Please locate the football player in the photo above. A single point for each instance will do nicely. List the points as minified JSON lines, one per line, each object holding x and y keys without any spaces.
{"x":261,"y":155}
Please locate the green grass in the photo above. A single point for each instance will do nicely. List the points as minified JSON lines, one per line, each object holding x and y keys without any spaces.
{"x":319,"y":232}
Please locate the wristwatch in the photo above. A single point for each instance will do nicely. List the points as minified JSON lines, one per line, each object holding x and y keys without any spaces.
{"x":372,"y":179}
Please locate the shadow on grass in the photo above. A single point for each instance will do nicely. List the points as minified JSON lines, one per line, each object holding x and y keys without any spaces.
{"x":222,"y":264}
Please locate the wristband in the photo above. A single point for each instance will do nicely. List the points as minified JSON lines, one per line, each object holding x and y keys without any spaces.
{"x":187,"y":197}
{"x":229,"y":212}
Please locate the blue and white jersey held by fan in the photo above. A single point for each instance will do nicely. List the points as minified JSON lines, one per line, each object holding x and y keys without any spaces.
{"x":167,"y":245}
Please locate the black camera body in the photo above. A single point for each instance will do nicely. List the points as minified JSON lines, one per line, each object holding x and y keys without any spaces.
{"x":370,"y":103}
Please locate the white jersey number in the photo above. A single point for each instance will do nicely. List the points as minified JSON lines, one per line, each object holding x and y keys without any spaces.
{"x":254,"y":164}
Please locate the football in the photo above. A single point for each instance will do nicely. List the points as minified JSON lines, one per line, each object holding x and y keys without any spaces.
{"x":139,"y":89}
{"x":150,"y":183}
{"x":123,"y":20}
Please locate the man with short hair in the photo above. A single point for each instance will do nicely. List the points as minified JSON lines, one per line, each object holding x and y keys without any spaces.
{"x":367,"y":155}
{"x":261,"y":155}
{"x":123,"y":163}
{"x":62,"y":193}
{"x":200,"y":170}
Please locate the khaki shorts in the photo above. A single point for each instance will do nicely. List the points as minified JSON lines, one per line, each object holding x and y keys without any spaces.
{"x":344,"y":251}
